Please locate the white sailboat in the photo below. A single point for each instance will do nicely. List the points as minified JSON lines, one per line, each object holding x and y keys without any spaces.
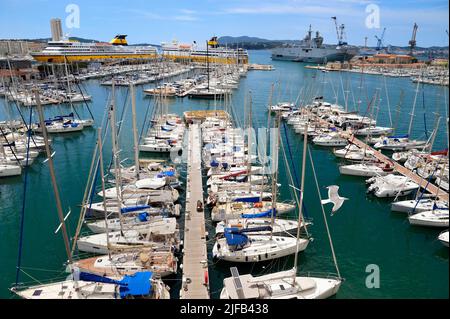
{"x":391,"y":186}
{"x":160,"y":262}
{"x":419,"y":205}
{"x":10,"y":170}
{"x":443,"y":238}
{"x":330,"y":140}
{"x":366,"y":169}
{"x":283,"y":284}
{"x":431,"y":218}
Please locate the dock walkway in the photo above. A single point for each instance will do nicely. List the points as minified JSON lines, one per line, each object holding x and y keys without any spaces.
{"x":431,"y":188}
{"x":422,"y":182}
{"x":195,"y":282}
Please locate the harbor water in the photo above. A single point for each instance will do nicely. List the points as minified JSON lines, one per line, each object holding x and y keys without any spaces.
{"x":412,"y":263}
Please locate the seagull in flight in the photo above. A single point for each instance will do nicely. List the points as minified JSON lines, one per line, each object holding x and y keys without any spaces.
{"x":333,"y":197}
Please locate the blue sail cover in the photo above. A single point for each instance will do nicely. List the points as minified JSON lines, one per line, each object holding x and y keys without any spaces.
{"x":235,"y":238}
{"x":224,"y":165}
{"x":254,"y":199}
{"x":84,"y":276}
{"x":134,"y":208}
{"x":267,"y":213}
{"x":399,"y":136}
{"x":137,"y":284}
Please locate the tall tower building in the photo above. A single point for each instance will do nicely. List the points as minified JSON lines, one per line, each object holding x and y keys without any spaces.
{"x":55,"y":25}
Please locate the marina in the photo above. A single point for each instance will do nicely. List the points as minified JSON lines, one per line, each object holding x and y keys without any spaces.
{"x":211,"y":171}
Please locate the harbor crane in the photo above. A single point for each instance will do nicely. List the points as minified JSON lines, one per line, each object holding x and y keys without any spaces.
{"x":339,"y":32}
{"x":412,"y":42}
{"x":380,"y":40}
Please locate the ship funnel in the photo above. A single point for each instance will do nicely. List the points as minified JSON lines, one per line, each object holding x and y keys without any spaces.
{"x":119,"y":39}
{"x":213,"y":43}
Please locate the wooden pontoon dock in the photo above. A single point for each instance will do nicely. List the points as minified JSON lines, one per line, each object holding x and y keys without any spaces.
{"x":195,"y":282}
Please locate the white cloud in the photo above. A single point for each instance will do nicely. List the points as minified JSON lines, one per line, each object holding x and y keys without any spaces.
{"x":185,"y":18}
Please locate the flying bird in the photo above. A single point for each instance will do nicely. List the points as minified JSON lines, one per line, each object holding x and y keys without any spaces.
{"x":333,"y":197}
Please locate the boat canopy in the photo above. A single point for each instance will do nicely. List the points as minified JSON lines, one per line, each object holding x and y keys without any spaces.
{"x":234,"y":237}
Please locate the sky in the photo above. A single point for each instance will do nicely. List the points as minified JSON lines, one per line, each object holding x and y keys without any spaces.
{"x":156,"y":21}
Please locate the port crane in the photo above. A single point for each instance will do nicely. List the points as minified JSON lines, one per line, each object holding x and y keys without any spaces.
{"x":380,"y":40}
{"x":412,"y":42}
{"x":340,"y":29}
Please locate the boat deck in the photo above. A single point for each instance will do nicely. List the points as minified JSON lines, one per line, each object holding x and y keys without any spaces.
{"x":422,"y":182}
{"x":195,"y":282}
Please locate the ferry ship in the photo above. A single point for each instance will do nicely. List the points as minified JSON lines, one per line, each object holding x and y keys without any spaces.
{"x":212,"y":53}
{"x":72,"y":51}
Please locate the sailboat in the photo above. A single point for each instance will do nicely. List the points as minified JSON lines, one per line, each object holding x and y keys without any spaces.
{"x":283,"y":284}
{"x":82,"y":285}
{"x":248,"y":245}
{"x":443,"y":238}
{"x":431,"y":218}
{"x":89,"y":286}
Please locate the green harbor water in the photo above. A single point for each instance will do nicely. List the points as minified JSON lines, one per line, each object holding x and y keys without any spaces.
{"x":412,"y":262}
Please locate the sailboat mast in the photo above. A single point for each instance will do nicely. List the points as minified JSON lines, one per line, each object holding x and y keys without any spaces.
{"x":275,"y":175}
{"x":102,"y":177}
{"x":116,"y":160}
{"x":249,"y":143}
{"x":135,"y":136}
{"x":300,"y":208}
{"x":53,"y":177}
{"x":413,"y":109}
